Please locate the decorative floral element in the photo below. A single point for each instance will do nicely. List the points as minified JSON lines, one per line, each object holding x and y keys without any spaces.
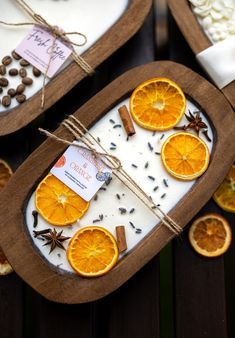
{"x":217,"y":17}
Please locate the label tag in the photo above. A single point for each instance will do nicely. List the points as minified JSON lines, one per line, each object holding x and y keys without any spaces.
{"x":81,"y":171}
{"x":37,"y":48}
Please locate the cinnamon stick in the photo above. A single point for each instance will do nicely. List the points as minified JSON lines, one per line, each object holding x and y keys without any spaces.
{"x":121,"y":238}
{"x":126,"y":120}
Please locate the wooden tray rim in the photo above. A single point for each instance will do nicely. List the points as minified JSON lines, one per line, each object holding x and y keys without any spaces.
{"x":120,"y":32}
{"x":66,"y":288}
{"x":195,"y":36}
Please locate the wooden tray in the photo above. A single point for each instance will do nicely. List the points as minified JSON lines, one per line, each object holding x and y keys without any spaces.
{"x":114,"y":38}
{"x":195,"y":36}
{"x":69,"y":288}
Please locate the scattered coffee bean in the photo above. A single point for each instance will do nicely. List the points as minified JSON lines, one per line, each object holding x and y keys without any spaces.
{"x":1,"y":90}
{"x":20,"y":89}
{"x":24,"y":63}
{"x":6,"y":101}
{"x":11,"y":92}
{"x":23,"y":72}
{"x":13,"y":72}
{"x":27,"y":81}
{"x":15,"y":55}
{"x":2,"y":70}
{"x":20,"y":98}
{"x":36,"y":72}
{"x":3,"y":82}
{"x":7,"y":60}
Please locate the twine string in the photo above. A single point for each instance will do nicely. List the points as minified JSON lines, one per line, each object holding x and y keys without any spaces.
{"x":57,"y":33}
{"x":79,"y":131}
{"x":129,"y":178}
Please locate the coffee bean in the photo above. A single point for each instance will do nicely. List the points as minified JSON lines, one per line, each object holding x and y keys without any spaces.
{"x":6,"y":101}
{"x":27,"y":81}
{"x":36,"y":72}
{"x":6,"y":60}
{"x":1,"y":90}
{"x":3,"y":82}
{"x":13,"y":72}
{"x":15,"y":55}
{"x":11,"y":92}
{"x":20,"y":98}
{"x":20,"y":89}
{"x":23,"y":72}
{"x":24,"y":63}
{"x":2,"y":70}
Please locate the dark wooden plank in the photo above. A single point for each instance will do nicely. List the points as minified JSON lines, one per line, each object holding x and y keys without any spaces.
{"x":133,"y":310}
{"x":199,"y":282}
{"x":230,"y":278}
{"x":11,"y":306}
{"x":135,"y":307}
{"x":199,"y":291}
{"x":47,"y":319}
{"x":14,"y":150}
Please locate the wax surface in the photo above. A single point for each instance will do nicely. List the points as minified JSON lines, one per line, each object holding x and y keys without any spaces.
{"x":91,"y":17}
{"x":134,"y":151}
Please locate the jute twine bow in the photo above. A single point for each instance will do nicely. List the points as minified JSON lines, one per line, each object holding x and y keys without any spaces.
{"x":57,"y":33}
{"x":88,"y":141}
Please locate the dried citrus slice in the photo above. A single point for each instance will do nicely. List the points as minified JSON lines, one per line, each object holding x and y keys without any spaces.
{"x":225,"y":194}
{"x":5,"y":267}
{"x":57,"y":203}
{"x":157,"y":104}
{"x":185,"y":156}
{"x":92,"y":251}
{"x":5,"y":173}
{"x":210,"y":235}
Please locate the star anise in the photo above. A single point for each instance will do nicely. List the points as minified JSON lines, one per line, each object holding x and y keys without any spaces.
{"x":195,"y":122}
{"x":54,"y":239}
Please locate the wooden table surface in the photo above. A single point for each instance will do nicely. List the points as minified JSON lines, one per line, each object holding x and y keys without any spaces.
{"x":177,"y":294}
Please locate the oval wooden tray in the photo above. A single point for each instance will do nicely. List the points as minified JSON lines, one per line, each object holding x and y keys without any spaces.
{"x":114,"y":38}
{"x":195,"y":36}
{"x":68,"y":288}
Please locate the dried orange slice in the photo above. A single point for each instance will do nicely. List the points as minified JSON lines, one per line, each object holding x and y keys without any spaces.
{"x":5,"y":173}
{"x":92,"y":251}
{"x":5,"y":267}
{"x":57,"y":203}
{"x":225,"y":194}
{"x":157,"y":104}
{"x":210,"y":235}
{"x":185,"y":156}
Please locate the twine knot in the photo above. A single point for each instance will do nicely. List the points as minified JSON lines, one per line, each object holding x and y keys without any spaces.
{"x":82,"y":134}
{"x":57,"y":33}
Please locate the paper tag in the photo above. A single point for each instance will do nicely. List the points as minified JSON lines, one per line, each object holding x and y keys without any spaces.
{"x":37,"y":48}
{"x":81,"y":172}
